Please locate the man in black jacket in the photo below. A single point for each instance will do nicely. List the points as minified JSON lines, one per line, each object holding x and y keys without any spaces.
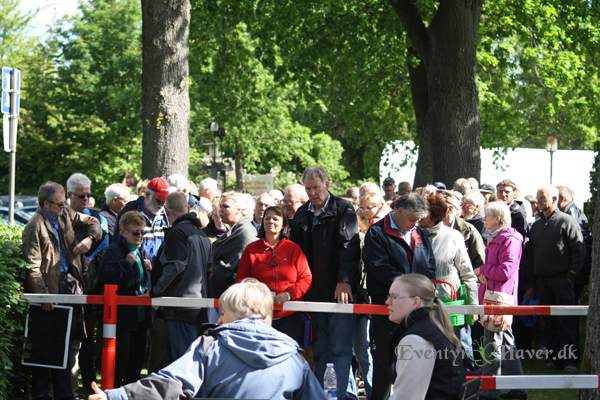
{"x":182,"y":262}
{"x":556,"y":255}
{"x":326,"y":228}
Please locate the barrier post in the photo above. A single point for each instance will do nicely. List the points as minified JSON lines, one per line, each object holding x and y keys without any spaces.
{"x":109,"y":335}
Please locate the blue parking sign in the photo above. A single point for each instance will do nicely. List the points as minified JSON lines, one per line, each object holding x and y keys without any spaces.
{"x":6,"y":82}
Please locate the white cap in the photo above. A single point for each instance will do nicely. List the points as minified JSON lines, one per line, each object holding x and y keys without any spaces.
{"x":178,"y":182}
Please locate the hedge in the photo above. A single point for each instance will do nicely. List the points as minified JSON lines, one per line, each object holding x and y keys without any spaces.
{"x":12,"y":312}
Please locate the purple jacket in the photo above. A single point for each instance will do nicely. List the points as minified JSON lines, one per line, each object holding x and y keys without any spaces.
{"x":501,"y":268}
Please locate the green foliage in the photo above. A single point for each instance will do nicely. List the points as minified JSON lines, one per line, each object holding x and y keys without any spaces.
{"x":590,"y":206}
{"x":81,"y":100}
{"x":238,"y":92}
{"x":349,"y":61}
{"x":538,"y":73}
{"x":12,"y":310}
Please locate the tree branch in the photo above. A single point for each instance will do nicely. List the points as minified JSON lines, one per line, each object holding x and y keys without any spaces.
{"x":413,"y":23}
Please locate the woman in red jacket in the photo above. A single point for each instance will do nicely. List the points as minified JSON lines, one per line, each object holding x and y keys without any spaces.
{"x":280,"y":264}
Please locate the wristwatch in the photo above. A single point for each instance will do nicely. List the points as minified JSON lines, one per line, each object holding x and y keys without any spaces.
{"x":92,"y":237}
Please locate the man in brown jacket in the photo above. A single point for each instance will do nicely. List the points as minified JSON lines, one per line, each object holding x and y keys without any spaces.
{"x":50,"y":247}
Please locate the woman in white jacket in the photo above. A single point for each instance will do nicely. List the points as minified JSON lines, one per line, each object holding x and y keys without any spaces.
{"x":451,"y":258}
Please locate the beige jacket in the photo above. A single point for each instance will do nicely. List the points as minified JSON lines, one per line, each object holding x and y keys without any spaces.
{"x":41,"y":250}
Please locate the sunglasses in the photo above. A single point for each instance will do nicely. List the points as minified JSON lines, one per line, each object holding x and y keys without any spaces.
{"x":159,"y":201}
{"x":137,"y":233}
{"x":60,"y":205}
{"x":83,"y":196}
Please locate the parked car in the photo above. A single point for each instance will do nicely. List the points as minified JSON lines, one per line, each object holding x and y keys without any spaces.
{"x":22,"y":214}
{"x":27,"y":200}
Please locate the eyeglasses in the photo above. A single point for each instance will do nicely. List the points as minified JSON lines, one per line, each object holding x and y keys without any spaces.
{"x":83,"y":196}
{"x":159,"y":201}
{"x":273,"y":256}
{"x":60,"y":205}
{"x":465,"y":205}
{"x":290,"y":203}
{"x":137,"y":233}
{"x":367,"y":208}
{"x":393,"y":297}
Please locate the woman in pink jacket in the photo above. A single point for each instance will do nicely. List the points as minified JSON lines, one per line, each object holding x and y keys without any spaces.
{"x":500,"y":273}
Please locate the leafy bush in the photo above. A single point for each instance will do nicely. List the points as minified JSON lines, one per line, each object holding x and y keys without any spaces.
{"x":12,"y":310}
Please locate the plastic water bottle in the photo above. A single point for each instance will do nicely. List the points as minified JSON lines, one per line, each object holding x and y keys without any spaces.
{"x":330,"y":382}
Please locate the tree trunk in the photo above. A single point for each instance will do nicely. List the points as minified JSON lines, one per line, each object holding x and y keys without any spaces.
{"x":590,"y":364}
{"x":448,"y":52}
{"x":420,"y":99}
{"x":239,"y":179}
{"x":165,"y":83}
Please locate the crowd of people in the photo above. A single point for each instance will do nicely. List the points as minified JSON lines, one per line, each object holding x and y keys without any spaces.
{"x":375,"y":245}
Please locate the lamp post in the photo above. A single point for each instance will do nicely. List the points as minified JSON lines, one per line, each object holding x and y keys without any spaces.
{"x":213,"y":152}
{"x":213,"y":149}
{"x":551,"y":147}
{"x":220,"y":133}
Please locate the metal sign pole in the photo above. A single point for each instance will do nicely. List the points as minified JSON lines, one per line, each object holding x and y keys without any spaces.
{"x":13,"y":146}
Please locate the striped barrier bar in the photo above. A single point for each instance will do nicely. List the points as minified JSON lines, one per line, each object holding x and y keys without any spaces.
{"x":110,"y":299}
{"x":306,"y":306}
{"x":539,"y":382}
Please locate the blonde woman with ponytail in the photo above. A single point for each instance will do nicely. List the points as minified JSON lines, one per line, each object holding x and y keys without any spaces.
{"x":427,"y":353}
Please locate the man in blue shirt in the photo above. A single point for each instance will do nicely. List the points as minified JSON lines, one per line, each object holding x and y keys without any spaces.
{"x":50,"y":247}
{"x":79,"y":193}
{"x":394,"y":246}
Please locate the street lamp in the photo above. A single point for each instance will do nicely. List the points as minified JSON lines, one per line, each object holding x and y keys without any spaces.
{"x":213,"y":152}
{"x":551,"y":147}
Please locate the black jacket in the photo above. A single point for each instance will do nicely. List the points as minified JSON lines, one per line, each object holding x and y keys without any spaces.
{"x":477,"y":221}
{"x":448,"y":373}
{"x":331,"y":246}
{"x":111,"y":218}
{"x":388,"y":256}
{"x":114,"y":269}
{"x":518,"y":217}
{"x":183,"y":261}
{"x":556,"y":247}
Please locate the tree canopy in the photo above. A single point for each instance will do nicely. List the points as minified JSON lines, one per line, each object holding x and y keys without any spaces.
{"x":301,"y":83}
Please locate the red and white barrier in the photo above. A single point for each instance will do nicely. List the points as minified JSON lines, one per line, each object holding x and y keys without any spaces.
{"x":305,"y":305}
{"x":539,"y":382}
{"x":110,"y":299}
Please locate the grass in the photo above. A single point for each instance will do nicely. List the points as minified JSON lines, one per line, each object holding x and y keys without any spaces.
{"x":533,"y":367}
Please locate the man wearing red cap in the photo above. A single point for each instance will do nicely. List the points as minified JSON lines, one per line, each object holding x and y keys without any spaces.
{"x":151,"y":205}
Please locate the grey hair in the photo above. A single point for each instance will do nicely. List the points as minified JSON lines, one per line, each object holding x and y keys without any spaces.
{"x":429,"y":189}
{"x":78,"y":180}
{"x":117,"y":190}
{"x":553,"y":190}
{"x":207,"y":183}
{"x":243,"y":201}
{"x":369,"y":186}
{"x":276,"y":194}
{"x":462,"y":186}
{"x":475,"y":198}
{"x":248,"y":299}
{"x":176,"y":202}
{"x":299,"y":190}
{"x":499,"y":209}
{"x":47,"y":192}
{"x":315,"y":171}
{"x":412,"y":203}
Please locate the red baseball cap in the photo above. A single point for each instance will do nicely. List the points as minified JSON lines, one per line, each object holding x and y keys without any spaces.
{"x":160,"y":187}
